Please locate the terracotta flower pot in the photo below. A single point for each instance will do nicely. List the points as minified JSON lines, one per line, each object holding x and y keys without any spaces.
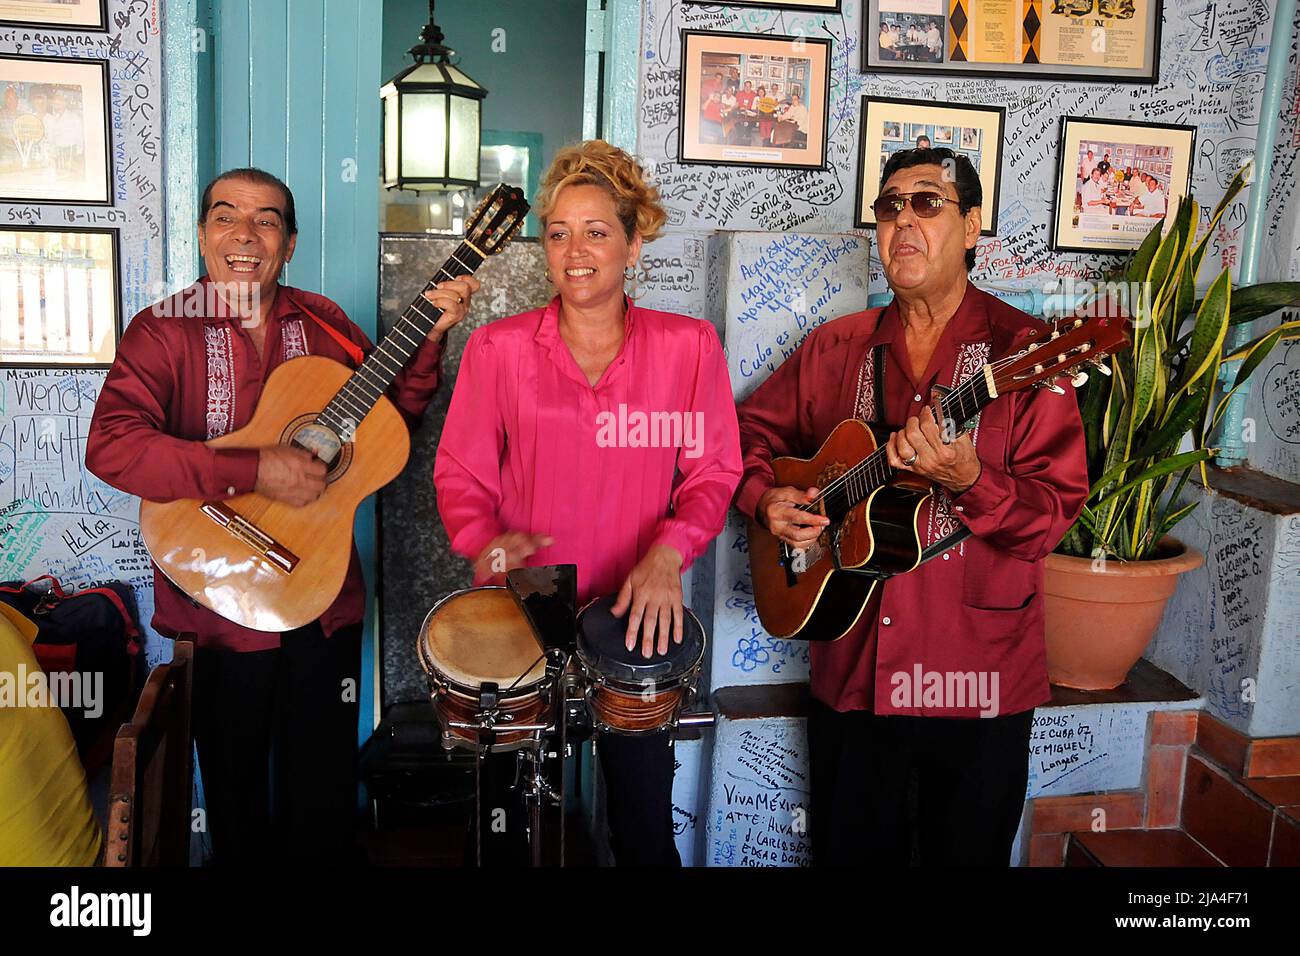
{"x":1099,"y":620}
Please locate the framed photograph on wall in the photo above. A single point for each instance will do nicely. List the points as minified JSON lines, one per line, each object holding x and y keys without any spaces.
{"x":1108,"y":40}
{"x":730,"y":117}
{"x":1115,"y":178}
{"x":54,"y":138}
{"x":58,"y":296}
{"x":88,"y":16}
{"x":824,"y":6}
{"x":889,"y":125}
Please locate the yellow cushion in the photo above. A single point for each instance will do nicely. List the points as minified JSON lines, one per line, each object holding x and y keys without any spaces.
{"x":45,"y":813}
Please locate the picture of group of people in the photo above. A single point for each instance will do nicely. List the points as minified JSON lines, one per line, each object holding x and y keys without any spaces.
{"x":912,"y":37}
{"x":896,"y":135}
{"x":1121,"y":179}
{"x":754,"y":100}
{"x":42,"y":133}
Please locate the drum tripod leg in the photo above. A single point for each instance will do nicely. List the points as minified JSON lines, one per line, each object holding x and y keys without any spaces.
{"x":479,"y":756}
{"x":535,"y":797}
{"x":564,"y":749}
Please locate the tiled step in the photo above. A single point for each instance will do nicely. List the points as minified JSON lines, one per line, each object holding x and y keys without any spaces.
{"x":1136,"y":848}
{"x":1237,"y":819}
{"x":1246,"y":756}
{"x":1283,"y":795}
{"x":1275,"y":791}
{"x":1285,"y":848}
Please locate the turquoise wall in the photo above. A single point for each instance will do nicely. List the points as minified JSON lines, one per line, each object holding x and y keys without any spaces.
{"x":534,"y":86}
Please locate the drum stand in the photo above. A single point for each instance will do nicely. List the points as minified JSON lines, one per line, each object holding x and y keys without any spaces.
{"x":531,"y":756}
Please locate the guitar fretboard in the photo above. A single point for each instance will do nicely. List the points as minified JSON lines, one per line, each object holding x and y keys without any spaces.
{"x":373,"y":377}
{"x":874,"y":471}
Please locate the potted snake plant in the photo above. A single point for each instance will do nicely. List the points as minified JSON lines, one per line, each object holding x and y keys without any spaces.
{"x":1148,"y":427}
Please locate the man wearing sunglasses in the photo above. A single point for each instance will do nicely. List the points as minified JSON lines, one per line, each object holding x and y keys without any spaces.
{"x":932,"y":693}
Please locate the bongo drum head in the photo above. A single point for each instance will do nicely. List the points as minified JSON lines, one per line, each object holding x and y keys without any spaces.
{"x":601,"y":638}
{"x":480,"y":635}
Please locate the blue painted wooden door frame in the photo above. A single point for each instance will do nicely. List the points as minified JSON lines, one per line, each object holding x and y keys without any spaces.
{"x":295,"y":90}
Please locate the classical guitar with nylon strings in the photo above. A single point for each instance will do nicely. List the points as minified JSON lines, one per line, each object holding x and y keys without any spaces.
{"x":272,"y":566}
{"x":819,"y":593}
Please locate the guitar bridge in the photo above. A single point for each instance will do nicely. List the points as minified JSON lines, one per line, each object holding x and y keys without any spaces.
{"x":239,"y":527}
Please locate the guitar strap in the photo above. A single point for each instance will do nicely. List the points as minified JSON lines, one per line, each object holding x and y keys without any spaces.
{"x":346,"y":344}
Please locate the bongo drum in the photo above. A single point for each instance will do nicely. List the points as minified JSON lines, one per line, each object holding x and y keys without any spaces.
{"x":626,"y":693}
{"x":479,"y":636}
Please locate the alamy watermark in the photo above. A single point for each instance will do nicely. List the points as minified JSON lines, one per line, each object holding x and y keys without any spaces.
{"x":71,"y":690}
{"x":640,"y":429}
{"x":1087,"y":299}
{"x":89,"y":909}
{"x":947,"y":690}
{"x":210,"y":300}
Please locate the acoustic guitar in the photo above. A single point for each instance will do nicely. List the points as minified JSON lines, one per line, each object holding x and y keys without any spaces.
{"x":819,"y":593}
{"x":272,"y":566}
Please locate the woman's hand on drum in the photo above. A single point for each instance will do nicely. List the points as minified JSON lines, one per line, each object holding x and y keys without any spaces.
{"x":653,"y":593}
{"x":506,"y":552}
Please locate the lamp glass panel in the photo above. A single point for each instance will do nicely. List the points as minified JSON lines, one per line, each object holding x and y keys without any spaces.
{"x":456,"y":76}
{"x":425,"y":73}
{"x":390,"y":139}
{"x":424,"y":135}
{"x":464,"y":138}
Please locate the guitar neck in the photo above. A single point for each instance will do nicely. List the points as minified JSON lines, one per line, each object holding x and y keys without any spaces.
{"x":373,"y":377}
{"x":854,"y":486}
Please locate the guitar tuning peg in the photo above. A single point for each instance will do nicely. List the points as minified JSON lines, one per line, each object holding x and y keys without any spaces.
{"x":1079,"y":379}
{"x":1100,"y":366}
{"x":1052,"y":387}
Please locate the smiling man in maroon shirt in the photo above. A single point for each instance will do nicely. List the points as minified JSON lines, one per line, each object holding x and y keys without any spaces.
{"x":191,"y":368}
{"x":936,"y":685}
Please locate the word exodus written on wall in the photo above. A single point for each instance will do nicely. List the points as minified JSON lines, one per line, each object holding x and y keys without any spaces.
{"x":55,"y":517}
{"x":1083,"y":749}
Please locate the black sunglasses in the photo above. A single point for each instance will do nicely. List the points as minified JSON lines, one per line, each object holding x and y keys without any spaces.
{"x":925,"y":204}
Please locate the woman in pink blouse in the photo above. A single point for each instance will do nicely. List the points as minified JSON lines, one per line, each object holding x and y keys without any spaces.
{"x":597,"y":433}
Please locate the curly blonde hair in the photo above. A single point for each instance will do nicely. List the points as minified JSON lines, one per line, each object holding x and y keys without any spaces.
{"x":597,"y":163}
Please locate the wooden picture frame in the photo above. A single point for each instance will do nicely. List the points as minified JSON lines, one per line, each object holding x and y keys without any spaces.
{"x":1114,"y":212}
{"x":1112,"y":41}
{"x":888,"y":124}
{"x":819,"y":6}
{"x":758,"y":129}
{"x":55,"y":142}
{"x":84,"y":16}
{"x":60,"y":296}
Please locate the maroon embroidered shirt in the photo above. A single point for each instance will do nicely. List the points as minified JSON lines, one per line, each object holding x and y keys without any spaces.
{"x":180,"y":380}
{"x":978,"y":609}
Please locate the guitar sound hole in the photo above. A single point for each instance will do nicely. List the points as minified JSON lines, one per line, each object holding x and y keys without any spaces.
{"x":307,"y":433}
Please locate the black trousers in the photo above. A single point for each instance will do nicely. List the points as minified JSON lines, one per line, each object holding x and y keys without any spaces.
{"x":638,"y":776}
{"x":277,"y":739}
{"x":890,"y":791}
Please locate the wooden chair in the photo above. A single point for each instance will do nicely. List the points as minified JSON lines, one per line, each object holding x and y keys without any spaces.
{"x":153,"y":770}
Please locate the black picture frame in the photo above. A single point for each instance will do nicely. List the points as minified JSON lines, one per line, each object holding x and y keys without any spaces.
{"x":115,"y":241}
{"x":100,"y":27}
{"x":1066,"y":146}
{"x":993,"y":127}
{"x":1021,"y":71}
{"x":813,"y":5}
{"x":106,"y":116}
{"x":781,"y":47}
